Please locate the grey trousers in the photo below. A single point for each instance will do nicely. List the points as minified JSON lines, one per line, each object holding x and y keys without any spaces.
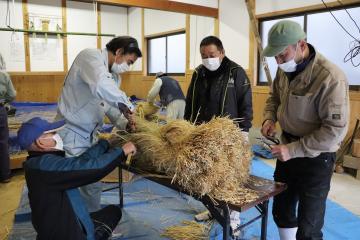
{"x":175,"y":109}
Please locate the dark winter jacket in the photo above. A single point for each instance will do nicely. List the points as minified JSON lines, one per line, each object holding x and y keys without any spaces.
{"x":57,"y":209}
{"x":224,"y":92}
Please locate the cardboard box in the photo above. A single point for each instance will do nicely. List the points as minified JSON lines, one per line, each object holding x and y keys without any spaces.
{"x":356,"y":148}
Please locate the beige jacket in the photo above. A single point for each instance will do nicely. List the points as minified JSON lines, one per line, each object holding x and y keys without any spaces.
{"x":314,"y":106}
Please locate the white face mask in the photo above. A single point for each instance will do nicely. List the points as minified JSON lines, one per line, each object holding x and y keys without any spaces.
{"x":211,"y":64}
{"x":289,"y":66}
{"x":59,"y":144}
{"x":120,"y":68}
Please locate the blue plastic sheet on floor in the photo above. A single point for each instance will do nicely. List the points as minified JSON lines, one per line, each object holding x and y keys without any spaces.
{"x":260,"y":151}
{"x":150,"y":207}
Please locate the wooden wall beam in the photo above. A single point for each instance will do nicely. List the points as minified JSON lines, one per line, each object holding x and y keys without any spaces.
{"x":187,"y":35}
{"x":164,"y":5}
{"x":98,"y":25}
{"x":64,"y":28}
{"x":309,"y":8}
{"x":217,"y":24}
{"x":144,"y":44}
{"x":26,"y":35}
{"x":252,"y":50}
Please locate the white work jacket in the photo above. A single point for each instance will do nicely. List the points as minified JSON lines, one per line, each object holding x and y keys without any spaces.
{"x":88,"y":92}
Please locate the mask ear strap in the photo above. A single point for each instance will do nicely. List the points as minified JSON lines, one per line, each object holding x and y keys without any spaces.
{"x":302,"y":54}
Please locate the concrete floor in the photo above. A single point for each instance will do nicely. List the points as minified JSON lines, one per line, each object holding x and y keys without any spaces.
{"x":345,"y":190}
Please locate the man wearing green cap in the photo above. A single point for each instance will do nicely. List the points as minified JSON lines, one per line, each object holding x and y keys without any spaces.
{"x":309,"y":98}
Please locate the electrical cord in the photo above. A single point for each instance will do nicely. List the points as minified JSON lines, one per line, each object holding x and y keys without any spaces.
{"x":355,"y":44}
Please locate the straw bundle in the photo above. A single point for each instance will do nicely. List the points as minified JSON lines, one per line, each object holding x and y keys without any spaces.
{"x":191,"y":230}
{"x":145,"y":109}
{"x":176,"y":131}
{"x":212,"y":158}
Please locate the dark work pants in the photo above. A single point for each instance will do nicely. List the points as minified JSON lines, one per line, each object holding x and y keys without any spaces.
{"x":105,"y":221}
{"x":4,"y":145}
{"x":308,"y":181}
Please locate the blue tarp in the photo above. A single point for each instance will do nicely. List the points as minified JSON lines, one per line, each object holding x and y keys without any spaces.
{"x":150,"y":207}
{"x":260,"y":151}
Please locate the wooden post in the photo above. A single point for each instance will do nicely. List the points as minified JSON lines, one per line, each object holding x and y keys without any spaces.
{"x":258,"y":40}
{"x":187,"y":32}
{"x":64,"y":29}
{"x":98,"y":26}
{"x":26,"y":35}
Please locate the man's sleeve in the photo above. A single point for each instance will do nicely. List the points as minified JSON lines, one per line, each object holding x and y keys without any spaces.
{"x":154,"y":91}
{"x":66,"y":173}
{"x":116,"y":117}
{"x":100,"y":80}
{"x":189,"y":100}
{"x":10,"y":90}
{"x":244,"y":100}
{"x":273,"y":101}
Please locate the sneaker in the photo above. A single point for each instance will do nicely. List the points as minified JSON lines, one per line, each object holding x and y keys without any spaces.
{"x":235,"y":223}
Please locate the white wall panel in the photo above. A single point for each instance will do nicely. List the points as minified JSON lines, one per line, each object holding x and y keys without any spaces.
{"x":46,"y":53}
{"x":200,"y":27}
{"x":12,"y":44}
{"x":162,"y":21}
{"x":234,"y":30}
{"x":113,"y":21}
{"x":264,"y":6}
{"x":134,"y":20}
{"x":80,"y":18}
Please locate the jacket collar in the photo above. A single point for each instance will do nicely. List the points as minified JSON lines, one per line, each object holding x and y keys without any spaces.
{"x":307,"y":74}
{"x":104,"y":54}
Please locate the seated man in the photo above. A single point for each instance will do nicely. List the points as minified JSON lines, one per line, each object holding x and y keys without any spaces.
{"x":58,"y":210}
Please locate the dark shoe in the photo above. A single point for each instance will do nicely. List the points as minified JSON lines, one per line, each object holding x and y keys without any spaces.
{"x":105,"y":221}
{"x":6,"y":180}
{"x":11,"y":112}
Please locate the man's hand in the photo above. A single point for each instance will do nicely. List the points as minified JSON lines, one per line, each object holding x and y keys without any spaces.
{"x":280,"y":152}
{"x":268,"y":129}
{"x":129,"y":148}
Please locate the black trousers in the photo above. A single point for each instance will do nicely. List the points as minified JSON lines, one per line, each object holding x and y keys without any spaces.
{"x":308,"y":181}
{"x":105,"y":221}
{"x":4,"y":145}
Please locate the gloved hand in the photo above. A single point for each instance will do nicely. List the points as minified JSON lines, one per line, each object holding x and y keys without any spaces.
{"x":129,"y":115}
{"x":245,"y":136}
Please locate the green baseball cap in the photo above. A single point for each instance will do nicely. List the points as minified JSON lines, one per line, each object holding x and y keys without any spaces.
{"x":281,"y":35}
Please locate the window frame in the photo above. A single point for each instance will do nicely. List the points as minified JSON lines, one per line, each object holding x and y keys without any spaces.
{"x":305,"y":14}
{"x":166,"y":51}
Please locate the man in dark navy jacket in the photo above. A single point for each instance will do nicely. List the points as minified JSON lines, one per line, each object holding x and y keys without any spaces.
{"x":58,"y":210}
